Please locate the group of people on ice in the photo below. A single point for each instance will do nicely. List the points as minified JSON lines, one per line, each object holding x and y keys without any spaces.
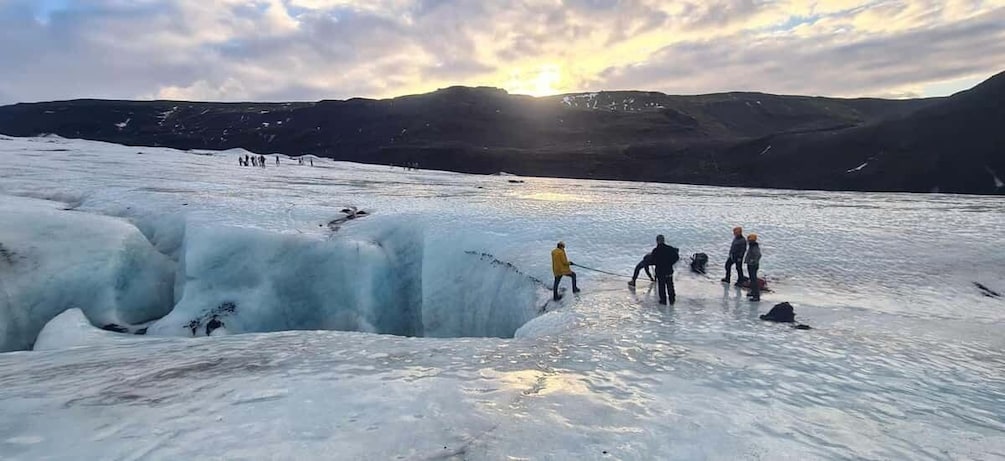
{"x":253,"y":160}
{"x":743,"y":250}
{"x":259,"y":160}
{"x":407,"y":166}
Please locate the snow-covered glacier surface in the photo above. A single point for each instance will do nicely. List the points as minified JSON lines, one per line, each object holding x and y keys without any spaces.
{"x":276,"y":328}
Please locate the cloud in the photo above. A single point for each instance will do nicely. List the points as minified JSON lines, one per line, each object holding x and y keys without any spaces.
{"x":830,"y":64}
{"x":317,"y":49}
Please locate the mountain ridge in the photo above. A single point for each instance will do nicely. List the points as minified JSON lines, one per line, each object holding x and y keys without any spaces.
{"x":726,"y":139}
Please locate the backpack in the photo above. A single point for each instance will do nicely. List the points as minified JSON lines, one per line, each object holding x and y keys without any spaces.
{"x":698,"y":262}
{"x":762,"y":283}
{"x":780,"y":313}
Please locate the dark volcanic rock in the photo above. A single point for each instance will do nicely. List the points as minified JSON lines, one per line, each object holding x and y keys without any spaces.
{"x":742,"y":139}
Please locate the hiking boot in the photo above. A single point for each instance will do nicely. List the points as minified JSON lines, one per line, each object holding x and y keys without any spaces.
{"x":576,"y":290}
{"x":754,"y":300}
{"x":725,"y":280}
{"x":631,"y":284}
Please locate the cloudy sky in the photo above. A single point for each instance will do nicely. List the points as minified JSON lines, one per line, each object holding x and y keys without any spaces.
{"x":316,"y":49}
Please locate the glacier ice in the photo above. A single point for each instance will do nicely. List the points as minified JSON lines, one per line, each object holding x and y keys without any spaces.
{"x":904,"y":362}
{"x":55,"y":260}
{"x":380,"y":282}
{"x":286,"y":282}
{"x":72,"y":329}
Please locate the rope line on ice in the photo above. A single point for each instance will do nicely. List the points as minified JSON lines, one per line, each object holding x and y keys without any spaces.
{"x":601,"y":271}
{"x":509,"y":266}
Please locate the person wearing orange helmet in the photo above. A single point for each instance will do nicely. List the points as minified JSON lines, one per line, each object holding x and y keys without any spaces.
{"x":736,"y":252}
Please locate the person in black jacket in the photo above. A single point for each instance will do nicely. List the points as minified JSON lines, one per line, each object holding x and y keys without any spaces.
{"x":753,"y":264}
{"x":664,"y":257}
{"x":736,"y":252}
{"x":647,"y":261}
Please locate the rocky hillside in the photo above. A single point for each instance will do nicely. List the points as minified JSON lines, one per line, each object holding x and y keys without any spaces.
{"x":742,"y":139}
{"x":957,"y":145}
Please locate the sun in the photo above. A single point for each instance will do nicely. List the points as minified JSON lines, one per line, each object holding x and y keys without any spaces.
{"x":542,"y":81}
{"x":546,"y":81}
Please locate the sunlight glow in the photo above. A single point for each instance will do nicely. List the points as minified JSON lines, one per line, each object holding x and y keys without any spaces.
{"x":543,"y":81}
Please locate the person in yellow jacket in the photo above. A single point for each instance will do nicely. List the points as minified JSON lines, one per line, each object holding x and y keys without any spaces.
{"x":561,"y":266}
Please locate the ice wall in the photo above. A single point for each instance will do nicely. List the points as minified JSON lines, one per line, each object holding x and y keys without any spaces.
{"x":190,"y":277}
{"x":252,"y":280}
{"x":53,"y":260}
{"x":381,"y":279}
{"x":467,"y":293}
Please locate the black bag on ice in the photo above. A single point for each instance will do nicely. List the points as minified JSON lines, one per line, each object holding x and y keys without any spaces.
{"x":780,"y":313}
{"x":698,"y":262}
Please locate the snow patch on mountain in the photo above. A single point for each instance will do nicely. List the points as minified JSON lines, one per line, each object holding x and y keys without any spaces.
{"x":164,"y":116}
{"x":998,"y":182}
{"x":584,"y":100}
{"x":858,"y":168}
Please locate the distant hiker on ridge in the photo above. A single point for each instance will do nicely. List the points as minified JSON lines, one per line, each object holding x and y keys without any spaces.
{"x":664,"y":257}
{"x":647,"y":261}
{"x":736,"y":252}
{"x":753,"y":261}
{"x":561,"y":266}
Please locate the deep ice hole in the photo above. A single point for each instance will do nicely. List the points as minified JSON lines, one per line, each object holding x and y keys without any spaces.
{"x":388,"y":280}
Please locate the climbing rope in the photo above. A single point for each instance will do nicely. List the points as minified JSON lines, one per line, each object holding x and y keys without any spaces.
{"x":601,"y":271}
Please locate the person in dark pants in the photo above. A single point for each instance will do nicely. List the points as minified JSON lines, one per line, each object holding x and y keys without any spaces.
{"x":664,"y":257}
{"x":753,"y":261}
{"x":647,"y":261}
{"x":561,"y":267}
{"x":736,"y":252}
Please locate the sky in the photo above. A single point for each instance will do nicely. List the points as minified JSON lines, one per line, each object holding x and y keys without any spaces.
{"x":280,"y":50}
